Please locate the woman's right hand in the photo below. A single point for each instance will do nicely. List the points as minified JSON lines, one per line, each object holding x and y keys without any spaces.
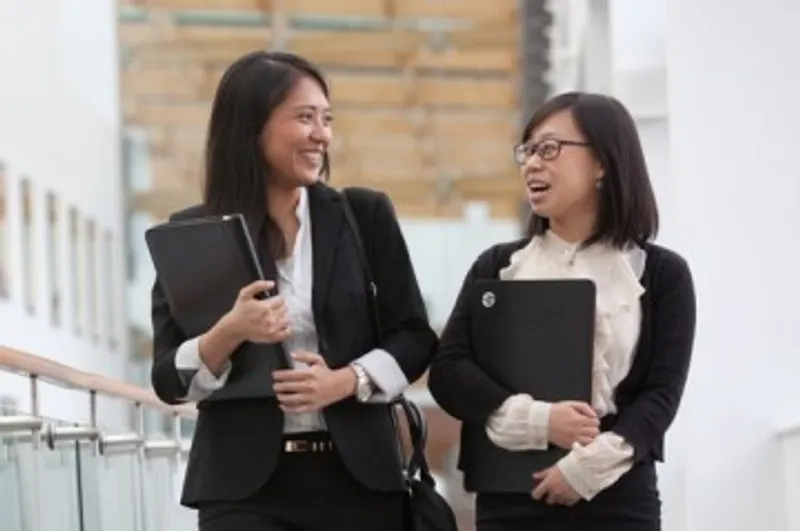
{"x":572,"y":422}
{"x":259,"y":320}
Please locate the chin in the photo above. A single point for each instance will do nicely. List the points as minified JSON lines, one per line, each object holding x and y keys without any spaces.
{"x":307,"y":178}
{"x":540,"y":210}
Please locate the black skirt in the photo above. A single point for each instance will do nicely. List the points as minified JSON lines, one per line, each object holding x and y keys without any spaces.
{"x":631,"y":504}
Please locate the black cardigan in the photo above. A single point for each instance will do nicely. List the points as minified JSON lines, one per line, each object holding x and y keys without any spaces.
{"x":647,"y":399}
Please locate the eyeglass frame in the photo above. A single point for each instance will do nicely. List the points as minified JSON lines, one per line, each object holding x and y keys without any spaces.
{"x":560,"y":143}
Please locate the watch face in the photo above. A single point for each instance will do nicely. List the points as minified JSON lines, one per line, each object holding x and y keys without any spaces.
{"x":363,"y":391}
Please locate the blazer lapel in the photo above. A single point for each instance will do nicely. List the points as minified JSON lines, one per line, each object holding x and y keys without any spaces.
{"x":255,"y":226}
{"x":326,"y":222}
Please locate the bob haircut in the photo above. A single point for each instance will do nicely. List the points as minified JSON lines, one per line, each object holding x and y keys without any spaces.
{"x":236,"y":173}
{"x":628,"y":213}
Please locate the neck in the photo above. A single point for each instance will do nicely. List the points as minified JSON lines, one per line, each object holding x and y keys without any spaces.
{"x":282,"y":202}
{"x":575,"y":228}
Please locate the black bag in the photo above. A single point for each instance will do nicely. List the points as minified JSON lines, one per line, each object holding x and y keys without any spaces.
{"x":427,"y":509}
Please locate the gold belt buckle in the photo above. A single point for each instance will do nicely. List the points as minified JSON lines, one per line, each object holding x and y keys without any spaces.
{"x":298,"y":446}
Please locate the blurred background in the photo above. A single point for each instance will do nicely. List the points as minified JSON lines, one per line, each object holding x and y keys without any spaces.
{"x":103,"y":109}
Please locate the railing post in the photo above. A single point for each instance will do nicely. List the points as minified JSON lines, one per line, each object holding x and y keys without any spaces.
{"x":35,"y":409}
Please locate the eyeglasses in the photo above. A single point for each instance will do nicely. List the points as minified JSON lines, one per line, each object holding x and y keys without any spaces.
{"x":547,"y":149}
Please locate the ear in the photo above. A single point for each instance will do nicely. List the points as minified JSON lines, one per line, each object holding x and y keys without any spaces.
{"x":599,"y":170}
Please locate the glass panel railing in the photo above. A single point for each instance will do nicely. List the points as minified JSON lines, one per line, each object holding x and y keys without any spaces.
{"x":159,"y":499}
{"x":59,"y":496}
{"x":62,"y":476}
{"x":119,"y":499}
{"x":18,"y":474}
{"x":90,"y":487}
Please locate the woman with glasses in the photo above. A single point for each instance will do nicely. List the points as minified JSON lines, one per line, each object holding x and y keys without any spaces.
{"x":594,"y":217}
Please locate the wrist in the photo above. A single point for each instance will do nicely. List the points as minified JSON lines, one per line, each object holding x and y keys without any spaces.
{"x":347,"y":381}
{"x":364,"y":388}
{"x":226,"y":329}
{"x":216,"y":345}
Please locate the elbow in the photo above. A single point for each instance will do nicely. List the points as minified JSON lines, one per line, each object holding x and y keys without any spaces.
{"x":165,"y":392}
{"x":425,"y":342}
{"x":437,"y":385}
{"x":429,"y":345}
{"x":167,"y":385}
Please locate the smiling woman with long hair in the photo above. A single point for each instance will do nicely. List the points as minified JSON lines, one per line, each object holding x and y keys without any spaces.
{"x":594,"y":216}
{"x":321,"y":452}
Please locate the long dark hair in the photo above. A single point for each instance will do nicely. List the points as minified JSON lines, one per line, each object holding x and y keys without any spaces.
{"x":236,"y":173}
{"x":628,"y":211}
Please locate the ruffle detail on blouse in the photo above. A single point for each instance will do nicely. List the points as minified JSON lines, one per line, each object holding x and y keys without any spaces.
{"x":618,"y":290}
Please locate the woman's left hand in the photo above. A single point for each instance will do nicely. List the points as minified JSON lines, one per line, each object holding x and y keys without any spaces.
{"x":553,"y":488}
{"x":312,"y":388}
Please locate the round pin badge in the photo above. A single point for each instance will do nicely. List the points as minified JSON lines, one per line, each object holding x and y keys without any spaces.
{"x":488,"y":299}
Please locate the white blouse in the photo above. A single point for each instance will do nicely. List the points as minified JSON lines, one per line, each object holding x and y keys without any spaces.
{"x":521,"y":423}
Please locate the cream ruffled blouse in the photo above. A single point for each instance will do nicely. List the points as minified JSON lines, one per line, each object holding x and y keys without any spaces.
{"x":616,"y":274}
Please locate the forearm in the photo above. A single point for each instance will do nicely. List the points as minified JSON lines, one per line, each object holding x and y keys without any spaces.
{"x":593,"y":468}
{"x":463,"y":390}
{"x":520,"y":424}
{"x":216,"y":346}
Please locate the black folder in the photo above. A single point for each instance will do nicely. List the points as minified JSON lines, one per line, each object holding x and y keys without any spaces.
{"x":535,"y":337}
{"x":202,"y":264}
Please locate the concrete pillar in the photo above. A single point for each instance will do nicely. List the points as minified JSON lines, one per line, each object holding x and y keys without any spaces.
{"x":734,"y":129}
{"x":597,"y":63}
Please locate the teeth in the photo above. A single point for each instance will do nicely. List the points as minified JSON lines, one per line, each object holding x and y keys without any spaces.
{"x":313,"y":157}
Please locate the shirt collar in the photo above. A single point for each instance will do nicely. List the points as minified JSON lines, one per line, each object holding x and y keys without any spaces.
{"x":301,"y":210}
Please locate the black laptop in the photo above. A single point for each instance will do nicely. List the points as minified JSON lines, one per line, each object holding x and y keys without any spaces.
{"x":202,"y":264}
{"x":535,"y":337}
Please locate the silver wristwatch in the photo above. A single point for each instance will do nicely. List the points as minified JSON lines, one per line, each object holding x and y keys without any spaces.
{"x":364,"y":387}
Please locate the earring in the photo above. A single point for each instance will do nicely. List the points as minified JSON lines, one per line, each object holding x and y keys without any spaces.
{"x":598,"y":183}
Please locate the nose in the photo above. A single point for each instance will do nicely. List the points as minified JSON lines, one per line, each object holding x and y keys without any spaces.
{"x":534,"y":163}
{"x":321,"y":133}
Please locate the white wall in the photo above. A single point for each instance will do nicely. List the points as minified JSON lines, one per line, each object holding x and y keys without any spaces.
{"x":60,"y":129}
{"x":734,"y":129}
{"x":443,"y":251}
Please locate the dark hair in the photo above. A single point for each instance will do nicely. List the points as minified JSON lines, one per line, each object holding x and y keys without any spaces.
{"x":235,"y":170}
{"x":628,"y":212}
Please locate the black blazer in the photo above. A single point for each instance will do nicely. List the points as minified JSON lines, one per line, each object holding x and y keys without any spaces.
{"x":237,"y":443}
{"x":647,"y":399}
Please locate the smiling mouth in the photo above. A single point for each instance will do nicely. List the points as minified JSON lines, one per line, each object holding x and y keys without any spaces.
{"x":538,"y":188}
{"x":313,"y":157}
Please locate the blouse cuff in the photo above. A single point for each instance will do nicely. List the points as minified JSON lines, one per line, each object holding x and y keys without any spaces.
{"x":199,"y":379}
{"x":591,"y":469}
{"x":539,"y":424}
{"x":520,"y":424}
{"x":385,"y":373}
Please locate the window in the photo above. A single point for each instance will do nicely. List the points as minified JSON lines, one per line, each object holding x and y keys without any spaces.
{"x":75,"y":270}
{"x":5,"y":260}
{"x":136,"y":155}
{"x":109,"y":293}
{"x":53,"y":259}
{"x":91,"y":280}
{"x":28,"y":246}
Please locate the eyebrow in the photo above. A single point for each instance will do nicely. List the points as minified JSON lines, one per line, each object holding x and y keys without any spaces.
{"x":311,"y":107}
{"x":543,"y":136}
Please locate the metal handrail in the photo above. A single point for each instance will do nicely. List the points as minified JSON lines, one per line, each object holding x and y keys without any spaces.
{"x":39,"y":368}
{"x":31,"y":426}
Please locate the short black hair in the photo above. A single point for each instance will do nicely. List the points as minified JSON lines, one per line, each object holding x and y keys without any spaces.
{"x":628,"y":212}
{"x":236,"y":173}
